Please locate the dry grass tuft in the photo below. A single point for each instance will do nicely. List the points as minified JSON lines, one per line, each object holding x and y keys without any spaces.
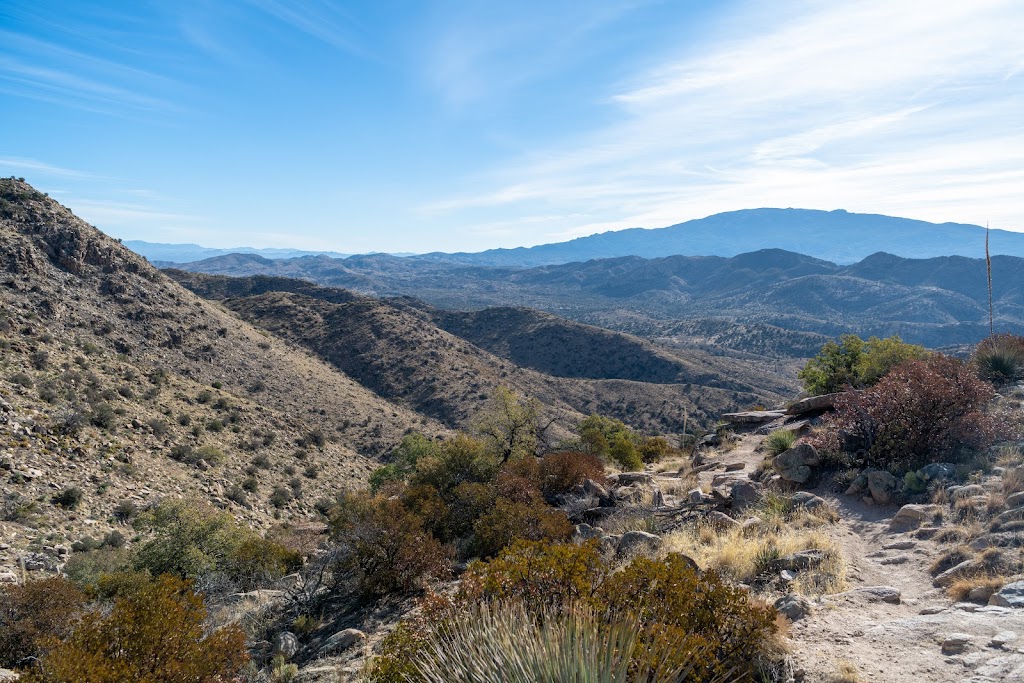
{"x":950,"y":558}
{"x":743,"y":555}
{"x":962,"y":588}
{"x":846,"y":672}
{"x":1013,"y":480}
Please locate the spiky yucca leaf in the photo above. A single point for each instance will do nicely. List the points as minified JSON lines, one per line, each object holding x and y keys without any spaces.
{"x":504,"y":643}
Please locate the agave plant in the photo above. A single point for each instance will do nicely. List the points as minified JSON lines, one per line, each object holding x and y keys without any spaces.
{"x":505,"y":643}
{"x":1000,"y":358}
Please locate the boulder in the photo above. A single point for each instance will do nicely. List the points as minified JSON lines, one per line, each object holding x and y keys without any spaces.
{"x":950,"y":576}
{"x":1015,"y":500}
{"x":745,"y":493}
{"x":720,"y":520}
{"x":695,"y":496}
{"x":594,"y":516}
{"x":1014,"y":515}
{"x":1000,"y":539}
{"x":937,"y":470}
{"x":963,"y":492}
{"x":1010,"y":595}
{"x":592,"y":488}
{"x":813,"y":404}
{"x":793,"y":606}
{"x":8,"y":676}
{"x":882,"y":486}
{"x":585,"y":532}
{"x":343,"y":640}
{"x":637,"y":543}
{"x":799,"y":561}
{"x":794,"y":465}
{"x":808,"y":501}
{"x":910,"y":517}
{"x":735,"y":466}
{"x":630,"y":478}
{"x":285,"y":644}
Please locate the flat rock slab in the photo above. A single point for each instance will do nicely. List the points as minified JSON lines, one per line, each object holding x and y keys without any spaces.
{"x":753,"y":417}
{"x":813,"y":403}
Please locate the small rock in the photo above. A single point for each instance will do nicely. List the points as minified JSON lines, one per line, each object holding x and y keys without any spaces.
{"x":751,"y":525}
{"x":343,"y":640}
{"x":593,"y":488}
{"x":897,"y":559}
{"x":1015,"y":500}
{"x":793,"y":606}
{"x":1013,"y":515}
{"x":955,"y":643}
{"x":286,"y":644}
{"x":735,"y":466}
{"x":887,"y":594}
{"x":637,"y":542}
{"x":899,"y":545}
{"x":979,"y":594}
{"x":8,"y":577}
{"x":787,"y":576}
{"x":8,"y":676}
{"x":630,"y":478}
{"x":1010,"y":595}
{"x":695,"y":496}
{"x":937,"y":470}
{"x":1002,"y":639}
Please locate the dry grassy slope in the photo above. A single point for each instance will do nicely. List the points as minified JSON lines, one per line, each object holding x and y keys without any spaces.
{"x":397,"y":351}
{"x":105,"y":320}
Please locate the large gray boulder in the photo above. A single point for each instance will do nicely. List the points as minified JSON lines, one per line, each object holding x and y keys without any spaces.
{"x":746,"y":493}
{"x":638,"y":543}
{"x":795,"y":465}
{"x":343,"y":640}
{"x":1010,"y":595}
{"x":813,"y":403}
{"x":883,"y":487}
{"x":793,"y":606}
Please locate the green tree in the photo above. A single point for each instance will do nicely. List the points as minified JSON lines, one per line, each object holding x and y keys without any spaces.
{"x":511,"y":425}
{"x":854,"y":363}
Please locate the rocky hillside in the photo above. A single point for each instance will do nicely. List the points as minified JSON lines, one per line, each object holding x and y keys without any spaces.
{"x":396,"y":350}
{"x":121,"y":386}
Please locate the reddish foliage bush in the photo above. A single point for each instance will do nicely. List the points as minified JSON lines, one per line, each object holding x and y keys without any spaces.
{"x":33,"y":612}
{"x":519,"y":480}
{"x":922,"y":411}
{"x":561,"y":472}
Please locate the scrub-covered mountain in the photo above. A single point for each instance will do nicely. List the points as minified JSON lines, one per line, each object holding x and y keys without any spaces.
{"x":782,"y":302}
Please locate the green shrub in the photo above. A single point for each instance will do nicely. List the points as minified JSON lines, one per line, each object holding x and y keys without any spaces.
{"x":384,"y":476}
{"x":386,"y":547}
{"x":1000,"y":358}
{"x":460,"y":459}
{"x":852,"y":362}
{"x":780,"y":441}
{"x":625,"y":454}
{"x":156,"y":633}
{"x":561,"y":472}
{"x":102,"y":415}
{"x":193,"y":541}
{"x":923,"y":411}
{"x":87,"y":569}
{"x":509,"y":520}
{"x":653,"y":448}
{"x":510,"y":426}
{"x":22,"y":379}
{"x":69,"y":498}
{"x":34,"y":612}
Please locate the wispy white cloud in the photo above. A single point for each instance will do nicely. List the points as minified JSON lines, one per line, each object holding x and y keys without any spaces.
{"x":16,"y":165}
{"x":880,"y":105}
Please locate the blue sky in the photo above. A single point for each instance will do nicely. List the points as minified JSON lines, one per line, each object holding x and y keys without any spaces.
{"x":417,"y":126}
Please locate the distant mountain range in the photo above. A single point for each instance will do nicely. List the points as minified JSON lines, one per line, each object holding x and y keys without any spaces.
{"x":186,"y":253}
{"x":836,"y":236}
{"x":788,"y":298}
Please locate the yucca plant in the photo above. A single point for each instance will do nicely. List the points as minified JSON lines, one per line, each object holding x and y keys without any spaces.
{"x":780,"y":441}
{"x":1000,"y":358}
{"x":505,"y":643}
